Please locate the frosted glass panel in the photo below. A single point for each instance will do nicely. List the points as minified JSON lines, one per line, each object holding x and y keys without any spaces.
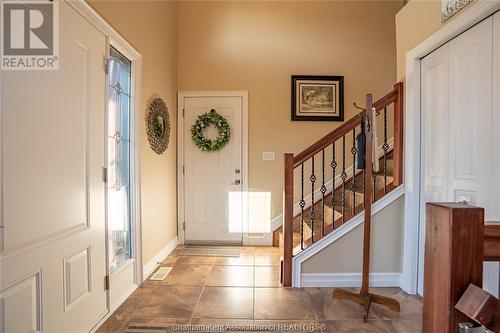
{"x":118,"y":149}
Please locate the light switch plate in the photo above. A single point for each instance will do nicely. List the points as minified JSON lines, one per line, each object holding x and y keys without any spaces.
{"x":268,"y":156}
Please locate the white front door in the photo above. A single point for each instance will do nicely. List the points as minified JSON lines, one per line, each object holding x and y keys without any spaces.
{"x":213,"y":183}
{"x":53,"y":259}
{"x":456,"y":124}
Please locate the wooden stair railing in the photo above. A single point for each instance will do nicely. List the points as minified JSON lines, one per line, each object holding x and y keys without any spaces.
{"x":351,"y":191}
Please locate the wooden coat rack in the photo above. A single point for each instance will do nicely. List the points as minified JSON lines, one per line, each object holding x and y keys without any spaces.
{"x":364,"y":297}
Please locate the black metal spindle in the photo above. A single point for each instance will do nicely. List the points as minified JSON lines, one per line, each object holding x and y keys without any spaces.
{"x":313,"y":215}
{"x":385,"y":148}
{"x":323,"y":191}
{"x":354,"y":150}
{"x":333,"y":198}
{"x":343,"y":175}
{"x":302,"y":204}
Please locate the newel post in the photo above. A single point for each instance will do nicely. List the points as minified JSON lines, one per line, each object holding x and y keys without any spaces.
{"x":398,"y":134}
{"x":288,"y":221}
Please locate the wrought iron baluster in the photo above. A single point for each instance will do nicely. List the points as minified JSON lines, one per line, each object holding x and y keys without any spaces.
{"x":323,"y":191}
{"x":354,"y":151}
{"x":313,"y":215}
{"x":343,"y":175}
{"x":385,"y":148}
{"x":302,"y":204}
{"x":333,"y":198}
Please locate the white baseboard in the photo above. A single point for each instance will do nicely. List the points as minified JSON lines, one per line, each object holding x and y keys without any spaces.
{"x":346,"y":280}
{"x":158,"y":258}
{"x":263,"y":239}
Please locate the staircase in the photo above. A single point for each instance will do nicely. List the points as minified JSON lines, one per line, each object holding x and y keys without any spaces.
{"x":326,"y":186}
{"x":333,"y":207}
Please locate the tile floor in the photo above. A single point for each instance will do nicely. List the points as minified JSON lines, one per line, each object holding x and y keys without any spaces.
{"x":246,"y":291}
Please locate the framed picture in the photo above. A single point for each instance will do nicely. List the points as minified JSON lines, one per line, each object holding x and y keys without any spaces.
{"x":317,"y":98}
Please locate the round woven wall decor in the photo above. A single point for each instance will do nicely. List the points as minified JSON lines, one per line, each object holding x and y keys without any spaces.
{"x":158,"y":125}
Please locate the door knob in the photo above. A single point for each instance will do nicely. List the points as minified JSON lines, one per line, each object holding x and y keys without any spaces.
{"x":237,"y":171}
{"x":237,"y":182}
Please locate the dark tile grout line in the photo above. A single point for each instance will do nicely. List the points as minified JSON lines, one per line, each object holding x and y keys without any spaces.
{"x":201,"y":293}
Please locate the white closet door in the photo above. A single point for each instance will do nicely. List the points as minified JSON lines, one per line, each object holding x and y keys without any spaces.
{"x":435,"y":120}
{"x":435,"y":135}
{"x":470,"y":116}
{"x":456,"y":94}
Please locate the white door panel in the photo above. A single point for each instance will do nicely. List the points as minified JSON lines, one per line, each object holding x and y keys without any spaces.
{"x":53,"y":256}
{"x":470,"y":63}
{"x":435,"y":118}
{"x":211,"y":195}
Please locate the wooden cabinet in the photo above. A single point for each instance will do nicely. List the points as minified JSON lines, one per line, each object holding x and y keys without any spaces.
{"x":453,"y":259}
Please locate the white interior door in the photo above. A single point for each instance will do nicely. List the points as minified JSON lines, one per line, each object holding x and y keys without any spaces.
{"x":456,"y":94}
{"x":53,"y":253}
{"x":213,"y":184}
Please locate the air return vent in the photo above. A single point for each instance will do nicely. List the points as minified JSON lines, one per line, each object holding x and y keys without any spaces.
{"x":160,"y":274}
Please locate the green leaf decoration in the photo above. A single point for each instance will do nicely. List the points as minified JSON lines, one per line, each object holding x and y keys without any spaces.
{"x":205,"y":120}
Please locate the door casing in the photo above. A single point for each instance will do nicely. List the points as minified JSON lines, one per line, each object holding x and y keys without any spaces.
{"x":180,"y":153}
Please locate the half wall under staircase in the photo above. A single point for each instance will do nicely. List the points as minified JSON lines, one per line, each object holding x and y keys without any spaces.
{"x":326,"y":191}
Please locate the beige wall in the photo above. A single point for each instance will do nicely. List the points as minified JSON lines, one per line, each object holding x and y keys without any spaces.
{"x":346,"y":254}
{"x":151,"y":27}
{"x":416,"y":21}
{"x":256,"y":46}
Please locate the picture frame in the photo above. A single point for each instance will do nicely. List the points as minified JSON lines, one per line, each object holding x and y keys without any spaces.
{"x":317,"y":98}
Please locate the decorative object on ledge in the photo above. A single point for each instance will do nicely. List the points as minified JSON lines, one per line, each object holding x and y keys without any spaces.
{"x":158,"y":124}
{"x":204,"y":121}
{"x":317,"y":98}
{"x":451,"y":7}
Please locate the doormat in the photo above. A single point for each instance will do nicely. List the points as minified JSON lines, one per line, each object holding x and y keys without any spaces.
{"x":210,"y":251}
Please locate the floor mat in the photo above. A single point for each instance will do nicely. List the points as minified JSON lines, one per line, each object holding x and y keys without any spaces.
{"x":210,"y":251}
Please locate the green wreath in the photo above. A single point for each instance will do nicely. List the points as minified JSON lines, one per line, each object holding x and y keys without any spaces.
{"x":206,"y":120}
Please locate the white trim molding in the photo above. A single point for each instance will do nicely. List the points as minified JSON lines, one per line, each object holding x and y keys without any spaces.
{"x":338,"y":233}
{"x":476,"y":12}
{"x":247,"y":240}
{"x":159,"y":257}
{"x":349,"y":280}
